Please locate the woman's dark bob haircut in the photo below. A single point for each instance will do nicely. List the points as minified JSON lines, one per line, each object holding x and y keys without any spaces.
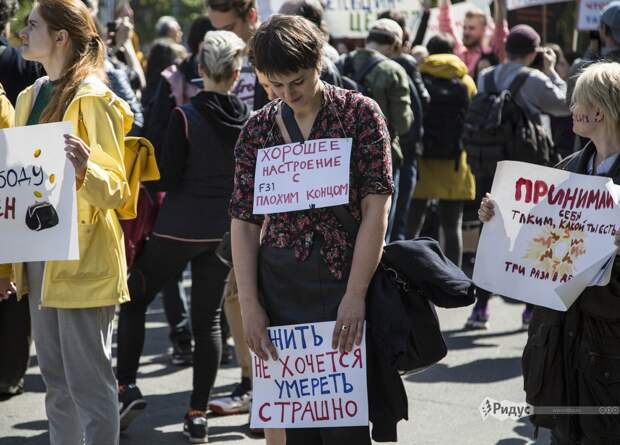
{"x":285,"y":44}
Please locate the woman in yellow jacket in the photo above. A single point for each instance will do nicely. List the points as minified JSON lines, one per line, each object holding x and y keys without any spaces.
{"x":443,"y":172}
{"x":72,"y":303}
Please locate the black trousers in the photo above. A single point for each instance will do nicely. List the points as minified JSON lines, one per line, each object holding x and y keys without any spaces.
{"x":451,"y":220}
{"x":164,"y":259}
{"x":294,"y":292}
{"x":175,"y":308}
{"x":14,"y":342}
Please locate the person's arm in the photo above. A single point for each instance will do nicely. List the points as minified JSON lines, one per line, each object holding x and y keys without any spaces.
{"x":372,"y":164}
{"x":549,"y":90}
{"x":125,"y":46}
{"x":174,"y":151}
{"x":446,"y":25}
{"x":398,"y":112}
{"x":500,"y":33}
{"x":245,"y":237}
{"x":423,"y":26}
{"x":366,"y":257}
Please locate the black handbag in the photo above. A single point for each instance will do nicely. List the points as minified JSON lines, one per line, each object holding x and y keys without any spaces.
{"x":397,"y":310}
{"x":41,"y":216}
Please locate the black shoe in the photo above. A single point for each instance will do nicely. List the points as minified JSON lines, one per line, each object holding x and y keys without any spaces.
{"x":131,"y":404}
{"x":182,"y":354}
{"x":10,"y":389}
{"x":195,"y":427}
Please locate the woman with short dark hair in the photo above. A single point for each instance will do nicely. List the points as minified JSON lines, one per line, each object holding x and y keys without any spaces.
{"x":307,"y":268}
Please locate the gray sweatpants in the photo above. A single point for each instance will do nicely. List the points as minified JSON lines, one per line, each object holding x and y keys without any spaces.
{"x":74,"y":352}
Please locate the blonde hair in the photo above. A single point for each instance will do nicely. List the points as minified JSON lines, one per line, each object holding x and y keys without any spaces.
{"x":477,"y":13}
{"x":220,"y":54}
{"x":598,"y":86}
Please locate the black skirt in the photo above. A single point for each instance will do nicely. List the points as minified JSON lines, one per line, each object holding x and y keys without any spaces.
{"x":294,"y":292}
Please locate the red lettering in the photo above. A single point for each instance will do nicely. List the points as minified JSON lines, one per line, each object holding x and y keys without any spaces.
{"x":285,"y":367}
{"x":260,"y":412}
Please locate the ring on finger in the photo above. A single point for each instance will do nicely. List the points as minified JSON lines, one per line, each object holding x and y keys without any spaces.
{"x":344,"y":328}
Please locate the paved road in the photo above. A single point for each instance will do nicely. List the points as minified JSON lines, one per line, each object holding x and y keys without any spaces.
{"x":443,"y":401}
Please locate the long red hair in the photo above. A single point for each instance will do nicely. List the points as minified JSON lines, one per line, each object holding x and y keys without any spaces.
{"x":87,"y":51}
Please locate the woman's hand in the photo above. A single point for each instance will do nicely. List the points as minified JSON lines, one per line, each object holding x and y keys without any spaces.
{"x":255,"y":323}
{"x":78,"y":153}
{"x":7,"y":289}
{"x":349,"y":327}
{"x":487,"y":209}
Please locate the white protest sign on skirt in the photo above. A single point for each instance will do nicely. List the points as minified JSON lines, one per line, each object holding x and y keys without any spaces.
{"x":552,"y":234}
{"x":518,"y":4}
{"x":310,"y":385}
{"x":38,"y":212}
{"x":301,"y":176}
{"x":590,"y":14}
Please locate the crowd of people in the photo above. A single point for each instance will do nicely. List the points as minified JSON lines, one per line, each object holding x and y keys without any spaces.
{"x":208,"y":100}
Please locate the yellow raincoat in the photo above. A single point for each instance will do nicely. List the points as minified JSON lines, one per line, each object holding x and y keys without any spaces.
{"x":99,"y":278}
{"x":6,"y":110}
{"x":437,"y":178}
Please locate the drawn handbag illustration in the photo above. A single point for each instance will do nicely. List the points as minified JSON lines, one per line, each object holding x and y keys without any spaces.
{"x":41,"y":216}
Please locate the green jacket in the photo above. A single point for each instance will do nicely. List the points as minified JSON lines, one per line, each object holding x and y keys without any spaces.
{"x":387,"y":83}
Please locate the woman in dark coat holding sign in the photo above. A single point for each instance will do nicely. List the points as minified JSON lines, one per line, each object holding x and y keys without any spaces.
{"x":572,"y":359}
{"x":307,"y":268}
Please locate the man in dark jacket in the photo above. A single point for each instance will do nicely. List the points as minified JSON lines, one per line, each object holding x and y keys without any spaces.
{"x":410,"y":142}
{"x":385,"y":81}
{"x":15,"y":72}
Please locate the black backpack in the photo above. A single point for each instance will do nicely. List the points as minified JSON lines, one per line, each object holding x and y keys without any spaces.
{"x":444,"y":118}
{"x":498,"y":129}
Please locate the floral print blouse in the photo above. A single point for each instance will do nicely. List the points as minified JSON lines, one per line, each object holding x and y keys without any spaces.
{"x":343,"y":114}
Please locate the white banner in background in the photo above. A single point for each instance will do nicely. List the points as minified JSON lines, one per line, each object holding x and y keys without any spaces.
{"x":590,"y":14}
{"x":518,"y":4}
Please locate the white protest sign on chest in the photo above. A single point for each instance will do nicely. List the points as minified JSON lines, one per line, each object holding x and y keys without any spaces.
{"x":551,"y":236}
{"x":301,"y":176}
{"x":590,"y":14}
{"x":38,"y":212}
{"x":310,"y":385}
